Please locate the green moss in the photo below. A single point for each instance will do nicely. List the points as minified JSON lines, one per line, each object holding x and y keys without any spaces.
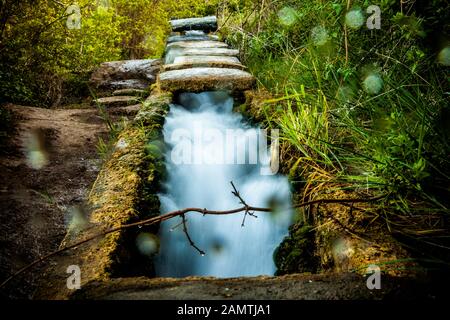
{"x":296,"y":253}
{"x":126,"y":192}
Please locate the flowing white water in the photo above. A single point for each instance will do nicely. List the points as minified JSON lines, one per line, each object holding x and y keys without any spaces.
{"x":194,"y":133}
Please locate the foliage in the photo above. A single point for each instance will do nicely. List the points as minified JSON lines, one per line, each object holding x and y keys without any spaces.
{"x":41,"y":56}
{"x":365,"y":108}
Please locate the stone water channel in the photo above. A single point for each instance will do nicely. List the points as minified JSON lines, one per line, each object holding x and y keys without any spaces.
{"x":121,"y":265}
{"x":209,"y":145}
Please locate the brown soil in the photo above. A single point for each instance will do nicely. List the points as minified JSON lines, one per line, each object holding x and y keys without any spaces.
{"x":36,"y":202}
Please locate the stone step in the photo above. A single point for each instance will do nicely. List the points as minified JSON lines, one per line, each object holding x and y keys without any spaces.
{"x":110,"y":74}
{"x":181,"y":38}
{"x":211,"y":64}
{"x":206,"y":79}
{"x":197,"y":44}
{"x":185,"y":62}
{"x":117,"y":101}
{"x":207,"y":24}
{"x":208,"y":52}
{"x":138,"y":84}
{"x":193,"y":33}
{"x":200,"y":59}
{"x":129,"y":111}
{"x":126,"y":69}
{"x":130,"y":92}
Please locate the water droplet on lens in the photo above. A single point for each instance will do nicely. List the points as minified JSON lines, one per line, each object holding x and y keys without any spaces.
{"x":354,"y":19}
{"x":373,"y":84}
{"x":319,"y":36}
{"x":444,"y":56}
{"x":148,"y":244}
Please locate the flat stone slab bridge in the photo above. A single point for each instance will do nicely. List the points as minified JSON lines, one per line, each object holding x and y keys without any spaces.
{"x":196,"y":60}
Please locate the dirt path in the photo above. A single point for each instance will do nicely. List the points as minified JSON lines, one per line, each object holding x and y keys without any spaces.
{"x":36,"y":202}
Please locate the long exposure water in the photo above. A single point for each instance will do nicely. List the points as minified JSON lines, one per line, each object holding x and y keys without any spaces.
{"x":208,"y":146}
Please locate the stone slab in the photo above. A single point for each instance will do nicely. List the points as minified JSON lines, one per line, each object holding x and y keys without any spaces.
{"x":117,"y":101}
{"x":209,"y":52}
{"x":197,"y":44}
{"x":207,"y":24}
{"x":206,"y":79}
{"x":130,"y":92}
{"x":185,"y":62}
{"x":181,"y":38}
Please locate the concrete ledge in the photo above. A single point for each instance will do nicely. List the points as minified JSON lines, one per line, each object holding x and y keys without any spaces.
{"x":345,"y":286}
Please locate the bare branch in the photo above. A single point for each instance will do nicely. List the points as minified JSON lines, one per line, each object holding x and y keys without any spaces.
{"x":181,"y":213}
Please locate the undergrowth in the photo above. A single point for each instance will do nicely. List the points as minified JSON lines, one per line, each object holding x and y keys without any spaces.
{"x":360,"y":110}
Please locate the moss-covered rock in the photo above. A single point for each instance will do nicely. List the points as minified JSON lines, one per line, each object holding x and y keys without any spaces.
{"x":296,"y":253}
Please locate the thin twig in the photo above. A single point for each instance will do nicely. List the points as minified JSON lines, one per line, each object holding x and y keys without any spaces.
{"x":236,"y":193}
{"x":189,"y":237}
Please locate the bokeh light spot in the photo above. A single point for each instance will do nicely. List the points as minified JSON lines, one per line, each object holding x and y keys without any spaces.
{"x":319,"y":36}
{"x":444,"y":56}
{"x":373,"y":84}
{"x":354,"y":19}
{"x":147,"y":244}
{"x":287,"y":16}
{"x":37,"y":155}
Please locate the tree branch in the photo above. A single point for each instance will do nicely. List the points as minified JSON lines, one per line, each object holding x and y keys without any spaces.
{"x":158,"y":219}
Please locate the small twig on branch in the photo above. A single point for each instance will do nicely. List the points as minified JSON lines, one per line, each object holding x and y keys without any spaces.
{"x":158,"y":219}
{"x":236,"y":193}
{"x":176,"y":226}
{"x":189,"y":237}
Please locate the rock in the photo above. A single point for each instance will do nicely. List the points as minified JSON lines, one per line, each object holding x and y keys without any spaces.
{"x":186,"y":62}
{"x":207,"y":24}
{"x":194,"y":33}
{"x":130,"y":92}
{"x":128,"y":111}
{"x":206,"y":59}
{"x":138,"y":84}
{"x":197,"y":44}
{"x":175,"y":52}
{"x":118,"y":101}
{"x":206,"y":79}
{"x":179,"y":38}
{"x":109,"y":72}
{"x":209,"y":52}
